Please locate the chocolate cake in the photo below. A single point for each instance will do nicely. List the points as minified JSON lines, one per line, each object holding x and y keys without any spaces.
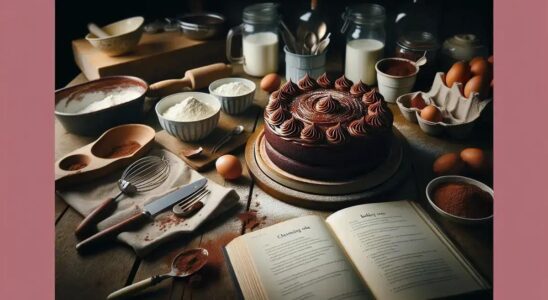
{"x":320,"y":129}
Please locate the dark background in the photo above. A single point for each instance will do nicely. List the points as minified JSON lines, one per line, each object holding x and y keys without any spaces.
{"x":450,"y":17}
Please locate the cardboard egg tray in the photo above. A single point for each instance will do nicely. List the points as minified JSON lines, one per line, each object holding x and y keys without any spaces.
{"x":459,"y":113}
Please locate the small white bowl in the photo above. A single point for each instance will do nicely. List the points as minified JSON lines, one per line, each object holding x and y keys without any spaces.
{"x":233,"y":105}
{"x":188,"y":131}
{"x":390,"y":86}
{"x":456,"y":179}
{"x":124,"y":36}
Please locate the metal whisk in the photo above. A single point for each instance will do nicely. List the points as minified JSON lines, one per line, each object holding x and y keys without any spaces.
{"x":141,"y":176}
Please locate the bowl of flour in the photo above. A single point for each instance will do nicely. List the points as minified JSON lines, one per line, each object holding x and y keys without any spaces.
{"x":189,"y":116}
{"x":235,"y":94}
{"x":93,"y":107}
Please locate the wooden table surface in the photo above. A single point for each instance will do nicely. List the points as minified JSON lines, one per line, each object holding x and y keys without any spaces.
{"x":95,"y":275}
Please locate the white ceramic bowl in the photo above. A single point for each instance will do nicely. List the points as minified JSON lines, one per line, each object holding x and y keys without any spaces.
{"x":124,"y":36}
{"x":188,"y":131}
{"x":454,"y":178}
{"x":234,"y":104}
{"x":390,"y":86}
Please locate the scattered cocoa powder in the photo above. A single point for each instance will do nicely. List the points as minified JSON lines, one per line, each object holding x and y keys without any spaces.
{"x":250,"y":219}
{"x":124,"y":149}
{"x":166,"y":222}
{"x":215,"y":248}
{"x":463,"y":200}
{"x":77,"y":166}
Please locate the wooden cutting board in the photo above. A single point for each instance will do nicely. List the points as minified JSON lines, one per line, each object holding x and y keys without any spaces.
{"x":158,"y":56}
{"x":205,"y":159}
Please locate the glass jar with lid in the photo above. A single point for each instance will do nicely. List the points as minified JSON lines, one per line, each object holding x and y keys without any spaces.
{"x":365,"y":40}
{"x":259,"y":32}
{"x":414,"y":45}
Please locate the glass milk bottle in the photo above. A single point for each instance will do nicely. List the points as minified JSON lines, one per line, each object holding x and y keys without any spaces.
{"x":259,"y":32}
{"x":365,"y":40}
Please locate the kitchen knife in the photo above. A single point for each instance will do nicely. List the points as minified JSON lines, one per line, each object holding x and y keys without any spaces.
{"x":146,"y":215}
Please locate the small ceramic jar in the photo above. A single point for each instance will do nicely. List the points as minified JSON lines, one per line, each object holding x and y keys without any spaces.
{"x":461,"y":47}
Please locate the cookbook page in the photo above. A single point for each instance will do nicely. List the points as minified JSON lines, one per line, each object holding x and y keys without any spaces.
{"x":299,"y":259}
{"x":398,"y":254}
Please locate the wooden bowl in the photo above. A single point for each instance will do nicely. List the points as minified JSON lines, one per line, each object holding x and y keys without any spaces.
{"x":70,"y":101}
{"x":114,"y":149}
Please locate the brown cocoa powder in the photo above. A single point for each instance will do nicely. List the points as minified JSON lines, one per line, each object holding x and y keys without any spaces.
{"x":463,"y":200}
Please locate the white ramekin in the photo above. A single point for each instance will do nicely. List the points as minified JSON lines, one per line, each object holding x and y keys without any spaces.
{"x":188,"y":131}
{"x":455,"y":179}
{"x":390,"y":86}
{"x":233,"y":105}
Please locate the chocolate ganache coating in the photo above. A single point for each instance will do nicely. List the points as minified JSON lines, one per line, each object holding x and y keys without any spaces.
{"x":343,"y":84}
{"x":307,"y":84}
{"x":326,"y":107}
{"x":324,"y":81}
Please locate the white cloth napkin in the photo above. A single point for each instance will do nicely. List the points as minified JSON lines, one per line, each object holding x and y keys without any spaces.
{"x":166,"y":226}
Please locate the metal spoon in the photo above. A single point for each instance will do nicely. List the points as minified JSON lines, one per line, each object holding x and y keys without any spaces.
{"x":236,"y":131}
{"x":310,"y":40}
{"x":184,"y":264}
{"x":322,"y":45}
{"x":421,"y":61}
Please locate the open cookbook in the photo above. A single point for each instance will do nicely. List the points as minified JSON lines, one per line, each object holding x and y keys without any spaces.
{"x":389,"y":250}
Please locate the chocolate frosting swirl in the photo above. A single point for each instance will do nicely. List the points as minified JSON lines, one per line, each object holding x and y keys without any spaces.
{"x":335,"y":134}
{"x":324,"y":81}
{"x":343,"y":84}
{"x":358,"y":89}
{"x":291,"y":127}
{"x":311,"y":133}
{"x":358,"y":127}
{"x":273,"y":105}
{"x":278,"y":116}
{"x":376,"y":121}
{"x":372,"y":96}
{"x":380,"y":108}
{"x":290,"y":88}
{"x":326,"y":105}
{"x":306,"y":83}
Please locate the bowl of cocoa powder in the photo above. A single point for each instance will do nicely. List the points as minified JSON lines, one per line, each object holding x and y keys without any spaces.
{"x":461,"y":199}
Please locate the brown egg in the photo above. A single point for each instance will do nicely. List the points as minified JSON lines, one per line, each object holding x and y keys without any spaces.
{"x":490,"y":59}
{"x":459,"y":72}
{"x":448,"y":164}
{"x":475,"y":160}
{"x":479,"y":66}
{"x":271,"y":82}
{"x":431,"y":113}
{"x":476,"y":84}
{"x":229,"y":167}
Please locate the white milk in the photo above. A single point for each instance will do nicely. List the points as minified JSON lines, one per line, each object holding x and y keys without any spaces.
{"x":260,"y":52}
{"x":361,"y":57}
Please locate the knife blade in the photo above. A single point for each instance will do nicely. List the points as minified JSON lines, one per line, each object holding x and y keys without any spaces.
{"x":146,"y":215}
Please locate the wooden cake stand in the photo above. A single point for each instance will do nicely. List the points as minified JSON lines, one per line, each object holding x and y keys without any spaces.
{"x":326,"y":195}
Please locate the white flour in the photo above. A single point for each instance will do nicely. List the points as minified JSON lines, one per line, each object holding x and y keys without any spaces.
{"x":232,"y":89}
{"x":109,"y":99}
{"x":190,"y":109}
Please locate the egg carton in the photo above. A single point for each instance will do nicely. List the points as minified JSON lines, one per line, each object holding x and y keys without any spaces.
{"x":459,"y":113}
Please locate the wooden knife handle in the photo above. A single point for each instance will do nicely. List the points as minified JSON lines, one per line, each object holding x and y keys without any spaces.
{"x":108,"y":233}
{"x":100,"y":212}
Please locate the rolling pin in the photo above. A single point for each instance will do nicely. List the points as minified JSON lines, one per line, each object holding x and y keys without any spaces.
{"x":194,"y":79}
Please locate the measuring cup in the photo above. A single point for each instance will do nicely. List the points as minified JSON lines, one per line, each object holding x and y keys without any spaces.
{"x":184,"y":264}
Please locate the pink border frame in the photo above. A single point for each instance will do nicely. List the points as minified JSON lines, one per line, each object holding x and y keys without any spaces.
{"x":26,"y":152}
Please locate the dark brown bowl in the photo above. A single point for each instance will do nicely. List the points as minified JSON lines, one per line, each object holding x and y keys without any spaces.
{"x":68,"y":100}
